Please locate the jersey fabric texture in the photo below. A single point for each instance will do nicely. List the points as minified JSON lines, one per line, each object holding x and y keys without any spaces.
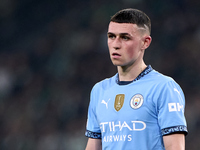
{"x":135,"y":115}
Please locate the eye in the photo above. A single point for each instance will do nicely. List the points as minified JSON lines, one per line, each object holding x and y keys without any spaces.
{"x":126,"y":38}
{"x":111,"y":36}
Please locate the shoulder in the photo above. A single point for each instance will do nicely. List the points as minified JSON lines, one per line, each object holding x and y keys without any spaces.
{"x":106,"y":83}
{"x":160,"y":78}
{"x":163,"y":83}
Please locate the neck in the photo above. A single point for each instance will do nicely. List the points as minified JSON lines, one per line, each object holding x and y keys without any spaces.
{"x":129,"y":73}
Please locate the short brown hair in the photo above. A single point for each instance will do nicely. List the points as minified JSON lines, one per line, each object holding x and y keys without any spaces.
{"x":133,"y":16}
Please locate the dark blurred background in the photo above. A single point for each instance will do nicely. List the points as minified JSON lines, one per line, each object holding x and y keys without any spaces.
{"x":53,"y":51}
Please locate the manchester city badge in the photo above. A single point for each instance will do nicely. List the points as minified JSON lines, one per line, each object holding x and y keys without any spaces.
{"x":136,"y":101}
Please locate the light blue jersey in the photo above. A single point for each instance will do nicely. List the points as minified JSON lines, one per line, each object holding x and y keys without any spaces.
{"x":136,"y":115}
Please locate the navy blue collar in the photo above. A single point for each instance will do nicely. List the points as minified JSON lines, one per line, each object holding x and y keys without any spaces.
{"x":144,"y":72}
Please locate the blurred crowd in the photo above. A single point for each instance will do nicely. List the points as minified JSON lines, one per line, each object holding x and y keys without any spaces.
{"x":53,"y":51}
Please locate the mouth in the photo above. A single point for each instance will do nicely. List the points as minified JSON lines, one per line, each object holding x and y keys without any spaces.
{"x":115,"y":55}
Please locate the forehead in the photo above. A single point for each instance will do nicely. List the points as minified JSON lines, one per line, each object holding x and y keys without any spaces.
{"x":122,"y":28}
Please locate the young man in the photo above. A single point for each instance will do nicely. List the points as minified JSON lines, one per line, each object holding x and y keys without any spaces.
{"x":138,"y":108}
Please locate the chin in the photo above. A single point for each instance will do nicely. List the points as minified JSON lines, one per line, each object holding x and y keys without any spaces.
{"x":118,"y":64}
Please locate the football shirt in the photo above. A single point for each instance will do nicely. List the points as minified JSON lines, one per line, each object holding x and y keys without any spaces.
{"x":135,"y":115}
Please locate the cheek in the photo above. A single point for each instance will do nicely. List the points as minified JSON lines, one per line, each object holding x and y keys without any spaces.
{"x":131,"y":52}
{"x":109,"y":44}
{"x":109,"y":47}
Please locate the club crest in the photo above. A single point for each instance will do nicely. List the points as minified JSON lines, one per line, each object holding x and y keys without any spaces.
{"x":136,"y":101}
{"x":119,"y":101}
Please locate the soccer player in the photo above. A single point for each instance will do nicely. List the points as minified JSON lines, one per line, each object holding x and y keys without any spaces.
{"x":138,"y":108}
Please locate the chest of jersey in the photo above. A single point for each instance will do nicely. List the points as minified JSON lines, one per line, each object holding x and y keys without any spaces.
{"x":126,"y":108}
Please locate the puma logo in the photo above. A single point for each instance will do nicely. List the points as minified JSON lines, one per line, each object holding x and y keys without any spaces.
{"x":178,"y":93}
{"x":106,"y":103}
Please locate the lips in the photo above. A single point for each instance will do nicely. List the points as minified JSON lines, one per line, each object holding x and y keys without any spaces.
{"x":116,"y":55}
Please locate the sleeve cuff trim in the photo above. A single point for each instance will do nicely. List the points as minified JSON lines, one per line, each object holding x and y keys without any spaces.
{"x":174,"y":129}
{"x":94,"y":135}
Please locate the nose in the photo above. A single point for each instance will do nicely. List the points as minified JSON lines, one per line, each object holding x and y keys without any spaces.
{"x":117,"y":43}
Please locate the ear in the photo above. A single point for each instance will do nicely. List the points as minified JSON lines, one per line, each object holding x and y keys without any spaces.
{"x":146,"y":42}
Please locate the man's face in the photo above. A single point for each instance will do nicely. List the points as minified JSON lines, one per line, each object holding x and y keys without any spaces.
{"x":125,"y":43}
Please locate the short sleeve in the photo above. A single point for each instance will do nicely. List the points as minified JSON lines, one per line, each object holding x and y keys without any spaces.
{"x":171,"y":105}
{"x":92,"y":127}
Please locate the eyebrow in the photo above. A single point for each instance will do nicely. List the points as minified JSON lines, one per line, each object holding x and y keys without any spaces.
{"x":121,"y":34}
